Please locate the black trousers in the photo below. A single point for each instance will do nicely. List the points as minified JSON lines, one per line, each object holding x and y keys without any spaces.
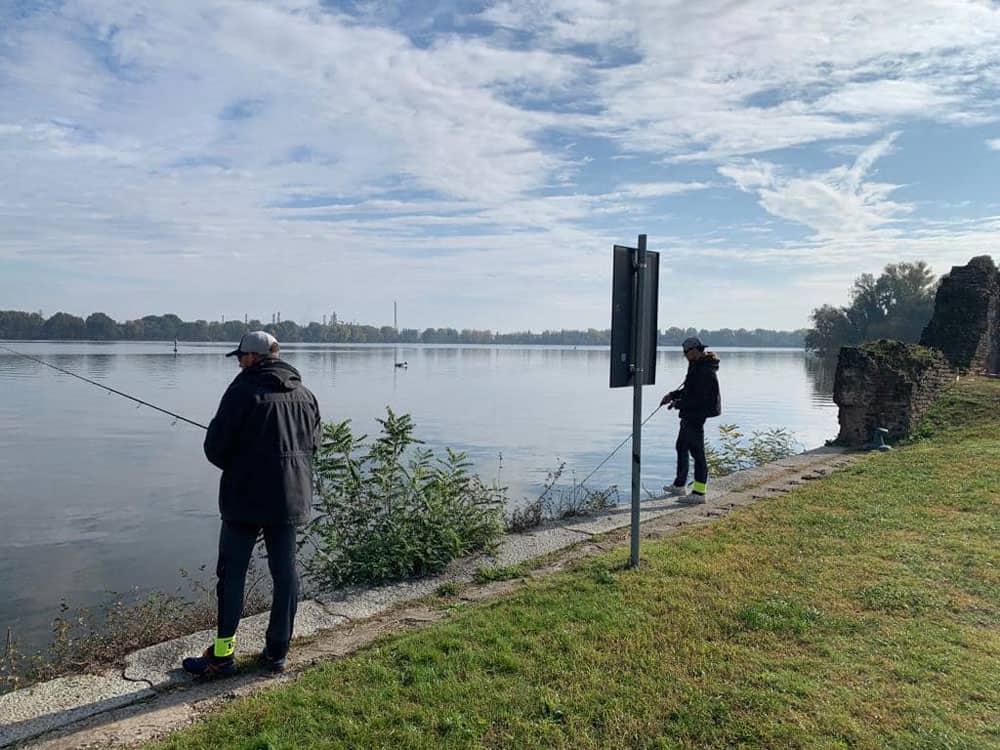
{"x":691,"y":440}
{"x":236,"y":543}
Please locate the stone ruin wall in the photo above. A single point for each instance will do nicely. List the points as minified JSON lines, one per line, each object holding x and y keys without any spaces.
{"x":890,"y":384}
{"x":886,"y":384}
{"x":966,"y":321}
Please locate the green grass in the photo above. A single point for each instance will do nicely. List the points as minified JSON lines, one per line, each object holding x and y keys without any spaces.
{"x":446,"y":590}
{"x":860,"y":611}
{"x":499,"y":573}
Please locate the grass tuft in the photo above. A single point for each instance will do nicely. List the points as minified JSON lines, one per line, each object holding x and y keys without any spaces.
{"x":499,"y":573}
{"x":778,"y":615}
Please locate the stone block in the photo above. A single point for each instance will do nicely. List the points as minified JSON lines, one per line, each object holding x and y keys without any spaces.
{"x":49,"y":705}
{"x":519,"y":548}
{"x":357,"y":603}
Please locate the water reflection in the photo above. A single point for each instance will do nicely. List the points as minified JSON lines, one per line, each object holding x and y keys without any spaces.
{"x":821,"y":372}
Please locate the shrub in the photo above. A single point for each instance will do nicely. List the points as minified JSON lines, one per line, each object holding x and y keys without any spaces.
{"x":389,"y":509}
{"x":735,"y":452}
{"x":558,"y":502}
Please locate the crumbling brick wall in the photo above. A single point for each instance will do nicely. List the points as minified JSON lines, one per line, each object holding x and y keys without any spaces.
{"x":886,"y":384}
{"x":966,"y":321}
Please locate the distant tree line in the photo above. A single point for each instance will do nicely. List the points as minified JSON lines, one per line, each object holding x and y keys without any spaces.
{"x":100,"y":327}
{"x":896,"y":305}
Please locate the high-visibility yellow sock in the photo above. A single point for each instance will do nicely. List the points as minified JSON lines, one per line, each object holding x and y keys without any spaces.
{"x":224,"y":647}
{"x":700,"y":487}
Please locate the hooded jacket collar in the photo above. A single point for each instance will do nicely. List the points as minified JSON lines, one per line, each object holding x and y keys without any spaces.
{"x":273,"y":373}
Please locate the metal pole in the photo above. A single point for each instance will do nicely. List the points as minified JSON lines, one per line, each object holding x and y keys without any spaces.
{"x":638,"y":378}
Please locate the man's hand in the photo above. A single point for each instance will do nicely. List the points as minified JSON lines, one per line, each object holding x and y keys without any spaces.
{"x":668,"y":401}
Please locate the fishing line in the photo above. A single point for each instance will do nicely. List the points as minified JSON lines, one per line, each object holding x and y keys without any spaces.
{"x":627,"y":438}
{"x":103,"y":387}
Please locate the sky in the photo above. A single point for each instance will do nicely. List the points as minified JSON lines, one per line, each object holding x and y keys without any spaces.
{"x":477,"y":161}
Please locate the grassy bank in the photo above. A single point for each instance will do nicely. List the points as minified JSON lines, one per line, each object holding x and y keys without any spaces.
{"x":856,"y":612}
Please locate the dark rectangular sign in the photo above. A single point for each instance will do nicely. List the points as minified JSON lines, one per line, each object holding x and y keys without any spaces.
{"x":623,"y":317}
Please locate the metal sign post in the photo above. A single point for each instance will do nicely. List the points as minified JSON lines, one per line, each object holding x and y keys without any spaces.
{"x":638,"y":378}
{"x":635,"y":288}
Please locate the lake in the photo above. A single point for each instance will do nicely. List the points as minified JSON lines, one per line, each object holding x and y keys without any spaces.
{"x":100,"y":496}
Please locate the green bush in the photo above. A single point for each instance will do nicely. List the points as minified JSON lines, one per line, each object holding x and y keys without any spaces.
{"x":736,"y":452}
{"x":389,"y":509}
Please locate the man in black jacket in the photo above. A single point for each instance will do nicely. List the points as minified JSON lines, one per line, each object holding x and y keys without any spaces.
{"x":263,"y":438}
{"x":695,"y":401}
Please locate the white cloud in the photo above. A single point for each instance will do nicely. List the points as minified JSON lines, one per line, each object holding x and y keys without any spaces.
{"x":718,"y":78}
{"x":889,"y":99}
{"x":993,"y":144}
{"x":833,"y":203}
{"x":178,"y":144}
{"x":659,"y":189}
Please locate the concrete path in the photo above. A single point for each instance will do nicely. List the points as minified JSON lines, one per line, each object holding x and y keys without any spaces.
{"x":151,"y":696}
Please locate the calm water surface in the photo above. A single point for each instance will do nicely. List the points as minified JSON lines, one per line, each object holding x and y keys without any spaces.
{"x":99,"y":496}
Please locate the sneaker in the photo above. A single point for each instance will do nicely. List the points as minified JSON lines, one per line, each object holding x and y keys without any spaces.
{"x":209,"y":666}
{"x":693,"y":498}
{"x":673,"y":489}
{"x":271,"y":663}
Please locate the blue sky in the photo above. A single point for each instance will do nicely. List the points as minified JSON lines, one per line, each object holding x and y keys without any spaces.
{"x":476,"y":161}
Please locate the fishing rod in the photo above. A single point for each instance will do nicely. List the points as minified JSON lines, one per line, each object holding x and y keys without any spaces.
{"x":618,"y":448}
{"x":627,"y":438}
{"x":104,"y":387}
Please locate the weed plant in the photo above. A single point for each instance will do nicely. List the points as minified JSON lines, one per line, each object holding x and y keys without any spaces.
{"x":557,"y":502}
{"x":733,"y":452}
{"x":736,"y":451}
{"x":85,"y":640}
{"x":389,"y":509}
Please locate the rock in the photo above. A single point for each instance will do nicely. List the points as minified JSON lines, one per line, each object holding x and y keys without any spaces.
{"x":966,"y":321}
{"x":886,"y":384}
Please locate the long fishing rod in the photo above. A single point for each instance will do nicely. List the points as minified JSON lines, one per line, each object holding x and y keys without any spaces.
{"x":103,"y":387}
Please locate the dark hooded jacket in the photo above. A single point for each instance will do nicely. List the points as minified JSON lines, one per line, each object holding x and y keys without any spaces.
{"x":263,"y":438}
{"x":699,"y":397}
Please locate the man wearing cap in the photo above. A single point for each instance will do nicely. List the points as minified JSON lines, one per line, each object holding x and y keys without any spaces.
{"x":263,"y":438}
{"x":696,"y":400}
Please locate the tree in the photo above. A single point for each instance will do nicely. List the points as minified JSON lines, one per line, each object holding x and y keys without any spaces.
{"x":101,"y":327}
{"x":832,"y":329}
{"x":64,"y":326}
{"x":895,"y":305}
{"x":15,"y":324}
{"x":907,"y":291}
